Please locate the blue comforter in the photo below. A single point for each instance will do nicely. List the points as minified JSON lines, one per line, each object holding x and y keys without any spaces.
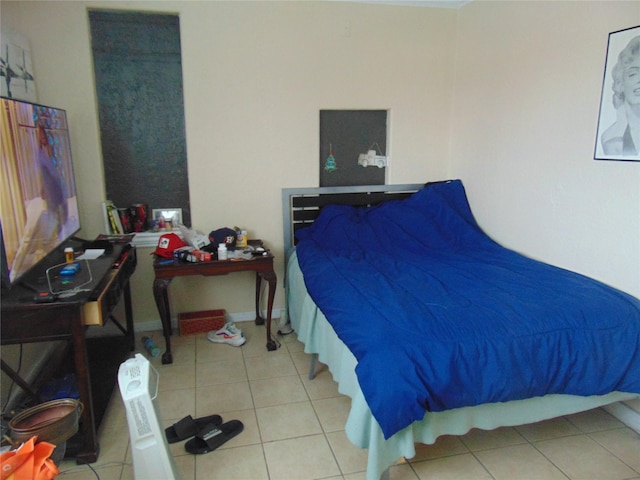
{"x":440,"y":316}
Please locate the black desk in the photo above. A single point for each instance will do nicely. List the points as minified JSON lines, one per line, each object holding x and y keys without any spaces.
{"x":24,"y":321}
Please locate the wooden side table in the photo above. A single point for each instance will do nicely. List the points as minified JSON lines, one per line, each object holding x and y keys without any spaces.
{"x":166,"y":272}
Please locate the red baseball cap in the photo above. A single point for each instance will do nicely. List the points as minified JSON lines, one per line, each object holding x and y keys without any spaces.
{"x":167,"y":244}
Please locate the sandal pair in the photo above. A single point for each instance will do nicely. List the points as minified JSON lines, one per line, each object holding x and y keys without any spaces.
{"x":188,"y":427}
{"x":208,"y":433}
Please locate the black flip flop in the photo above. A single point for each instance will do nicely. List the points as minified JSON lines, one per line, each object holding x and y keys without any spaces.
{"x":212,"y":436}
{"x":188,"y":427}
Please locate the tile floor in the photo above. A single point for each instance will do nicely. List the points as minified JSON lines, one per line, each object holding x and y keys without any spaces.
{"x":294,"y":427}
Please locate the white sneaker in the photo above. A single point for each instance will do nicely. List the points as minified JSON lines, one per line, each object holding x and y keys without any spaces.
{"x":228,"y":334}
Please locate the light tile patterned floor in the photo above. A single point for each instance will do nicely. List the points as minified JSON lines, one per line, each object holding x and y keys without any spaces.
{"x":294,"y":427}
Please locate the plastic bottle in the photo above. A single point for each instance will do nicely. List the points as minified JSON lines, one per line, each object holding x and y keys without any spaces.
{"x":222,"y":251}
{"x":68,"y":255}
{"x":150,"y":346}
{"x":241,"y":238}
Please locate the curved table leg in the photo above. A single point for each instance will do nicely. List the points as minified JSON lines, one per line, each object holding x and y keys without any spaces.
{"x":259,"y":320}
{"x":270,"y":277}
{"x":161,"y":296}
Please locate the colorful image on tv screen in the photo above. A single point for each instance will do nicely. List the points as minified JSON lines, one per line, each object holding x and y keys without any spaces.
{"x":38,"y":207}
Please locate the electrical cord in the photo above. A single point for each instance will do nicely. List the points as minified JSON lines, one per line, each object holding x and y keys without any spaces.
{"x":90,"y":468}
{"x":94,"y":471}
{"x":78,"y":468}
{"x":71,"y":293}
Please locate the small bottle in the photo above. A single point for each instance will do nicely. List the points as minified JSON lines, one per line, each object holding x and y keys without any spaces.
{"x":242,"y":239}
{"x":222,"y":251}
{"x":150,"y":346}
{"x":68,"y":255}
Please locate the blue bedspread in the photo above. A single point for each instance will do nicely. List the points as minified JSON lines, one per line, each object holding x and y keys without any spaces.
{"x":440,"y":316}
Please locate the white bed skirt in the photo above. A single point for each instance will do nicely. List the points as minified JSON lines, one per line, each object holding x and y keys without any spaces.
{"x":318,"y":337}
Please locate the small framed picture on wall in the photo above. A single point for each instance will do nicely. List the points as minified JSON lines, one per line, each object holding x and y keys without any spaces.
{"x":17,"y":69}
{"x":618,"y":135}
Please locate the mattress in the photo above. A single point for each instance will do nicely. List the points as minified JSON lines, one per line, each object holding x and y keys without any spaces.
{"x":425,"y":299}
{"x":315,"y":332}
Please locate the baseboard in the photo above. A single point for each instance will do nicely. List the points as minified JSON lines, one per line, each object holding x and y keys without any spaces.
{"x":235,"y":317}
{"x":627,"y":412}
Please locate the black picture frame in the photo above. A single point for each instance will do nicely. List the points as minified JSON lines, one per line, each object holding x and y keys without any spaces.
{"x":618,"y":134}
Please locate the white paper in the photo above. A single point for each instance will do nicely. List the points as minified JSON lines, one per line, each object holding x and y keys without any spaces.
{"x":91,"y":254}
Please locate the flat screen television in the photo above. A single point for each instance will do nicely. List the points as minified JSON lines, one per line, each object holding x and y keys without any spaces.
{"x":38,"y":199}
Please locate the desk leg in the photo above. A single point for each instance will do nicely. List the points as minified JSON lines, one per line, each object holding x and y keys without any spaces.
{"x":128,"y":313}
{"x":91,"y":449}
{"x":270,"y":277}
{"x":161,"y":296}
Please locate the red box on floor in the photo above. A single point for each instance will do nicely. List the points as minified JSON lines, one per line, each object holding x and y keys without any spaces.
{"x":200,"y":322}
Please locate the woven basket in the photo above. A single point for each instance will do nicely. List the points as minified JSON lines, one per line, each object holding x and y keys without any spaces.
{"x":204,"y":321}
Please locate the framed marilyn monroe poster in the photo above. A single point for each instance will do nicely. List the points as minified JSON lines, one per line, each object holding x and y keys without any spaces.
{"x":618,"y":135}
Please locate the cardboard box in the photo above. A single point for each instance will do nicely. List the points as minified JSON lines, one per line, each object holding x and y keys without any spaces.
{"x":201,"y":322}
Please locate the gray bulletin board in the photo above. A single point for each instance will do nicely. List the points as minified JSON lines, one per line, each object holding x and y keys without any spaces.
{"x":345,"y":134}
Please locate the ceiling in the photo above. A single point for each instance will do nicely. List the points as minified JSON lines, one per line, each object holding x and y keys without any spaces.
{"x":416,"y":3}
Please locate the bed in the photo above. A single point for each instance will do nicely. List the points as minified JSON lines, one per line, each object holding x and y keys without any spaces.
{"x":374,"y":261}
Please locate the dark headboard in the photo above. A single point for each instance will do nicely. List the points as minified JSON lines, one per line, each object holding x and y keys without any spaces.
{"x":301,"y":206}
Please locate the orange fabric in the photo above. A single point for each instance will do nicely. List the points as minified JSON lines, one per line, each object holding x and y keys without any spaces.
{"x":30,"y":461}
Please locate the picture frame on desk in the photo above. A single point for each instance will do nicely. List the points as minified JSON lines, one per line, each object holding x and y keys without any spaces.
{"x":172,"y":216}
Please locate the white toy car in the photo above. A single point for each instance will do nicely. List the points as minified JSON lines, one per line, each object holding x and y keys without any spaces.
{"x":371,"y":159}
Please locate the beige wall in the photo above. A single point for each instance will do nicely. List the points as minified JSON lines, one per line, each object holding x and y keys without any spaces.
{"x":517,"y":121}
{"x":527,"y":91}
{"x":256,"y":75}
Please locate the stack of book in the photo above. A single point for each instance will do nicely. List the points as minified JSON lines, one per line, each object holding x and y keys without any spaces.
{"x":113,"y":223}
